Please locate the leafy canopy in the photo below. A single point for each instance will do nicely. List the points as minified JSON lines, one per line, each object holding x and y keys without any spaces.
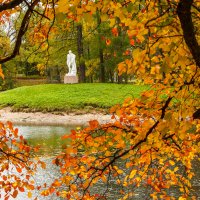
{"x":155,"y":137}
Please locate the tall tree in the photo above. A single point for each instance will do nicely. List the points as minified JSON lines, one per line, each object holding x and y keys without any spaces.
{"x":82,"y":77}
{"x":101,"y":58}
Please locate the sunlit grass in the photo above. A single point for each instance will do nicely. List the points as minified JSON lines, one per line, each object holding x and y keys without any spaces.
{"x":61,"y":97}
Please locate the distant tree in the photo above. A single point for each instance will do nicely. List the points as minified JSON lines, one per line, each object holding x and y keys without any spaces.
{"x":82,"y":77}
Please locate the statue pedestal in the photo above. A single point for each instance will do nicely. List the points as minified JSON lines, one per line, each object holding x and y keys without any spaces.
{"x":70,"y":79}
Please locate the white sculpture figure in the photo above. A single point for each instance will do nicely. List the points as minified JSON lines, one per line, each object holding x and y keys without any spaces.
{"x":71,"y":63}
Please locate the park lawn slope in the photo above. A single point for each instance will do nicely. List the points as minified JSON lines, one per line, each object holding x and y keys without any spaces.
{"x":61,"y":97}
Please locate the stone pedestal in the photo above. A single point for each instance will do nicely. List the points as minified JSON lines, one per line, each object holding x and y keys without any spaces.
{"x":70,"y":79}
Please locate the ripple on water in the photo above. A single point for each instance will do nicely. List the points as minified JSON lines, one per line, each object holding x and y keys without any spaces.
{"x":49,"y":138}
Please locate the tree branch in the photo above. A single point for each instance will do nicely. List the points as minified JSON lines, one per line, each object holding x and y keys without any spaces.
{"x":41,"y":14}
{"x":22,"y":31}
{"x":118,"y":155}
{"x":10,"y":5}
{"x":198,"y":9}
{"x":185,"y":17}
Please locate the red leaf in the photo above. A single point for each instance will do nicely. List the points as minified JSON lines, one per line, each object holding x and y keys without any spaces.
{"x":132,"y":42}
{"x":21,"y":189}
{"x":65,"y":137}
{"x":115,"y":31}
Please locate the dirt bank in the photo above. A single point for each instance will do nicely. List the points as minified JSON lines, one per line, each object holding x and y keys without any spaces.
{"x":39,"y":118}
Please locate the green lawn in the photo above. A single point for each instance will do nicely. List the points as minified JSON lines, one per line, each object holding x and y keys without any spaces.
{"x":60,"y":97}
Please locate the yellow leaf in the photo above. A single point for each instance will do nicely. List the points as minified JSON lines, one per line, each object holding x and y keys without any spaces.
{"x":112,"y":22}
{"x":176,"y":169}
{"x":104,"y":17}
{"x":132,"y":174}
{"x":29,"y":195}
{"x":172,"y":162}
{"x":119,"y":171}
{"x":104,"y":179}
{"x":181,"y":198}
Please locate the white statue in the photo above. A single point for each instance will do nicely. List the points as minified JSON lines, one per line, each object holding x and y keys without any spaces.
{"x":71,"y":63}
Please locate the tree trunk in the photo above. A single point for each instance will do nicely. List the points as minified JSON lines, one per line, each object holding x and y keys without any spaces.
{"x":111,"y":77}
{"x":185,"y":17}
{"x":80,"y":54}
{"x":101,"y":58}
{"x":119,"y":79}
{"x":88,"y":50}
{"x":102,"y":68}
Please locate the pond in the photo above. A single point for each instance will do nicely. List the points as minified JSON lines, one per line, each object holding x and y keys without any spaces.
{"x":49,"y":140}
{"x":47,"y":137}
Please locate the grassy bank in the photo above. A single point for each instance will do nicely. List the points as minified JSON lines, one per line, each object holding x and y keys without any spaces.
{"x":60,"y":97}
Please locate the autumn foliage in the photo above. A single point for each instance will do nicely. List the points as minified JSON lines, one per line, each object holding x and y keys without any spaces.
{"x":154,"y":138}
{"x":17,"y":165}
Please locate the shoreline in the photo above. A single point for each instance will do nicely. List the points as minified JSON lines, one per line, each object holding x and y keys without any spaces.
{"x":62,"y":118}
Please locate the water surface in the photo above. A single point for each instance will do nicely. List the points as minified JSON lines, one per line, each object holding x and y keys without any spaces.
{"x":49,"y":140}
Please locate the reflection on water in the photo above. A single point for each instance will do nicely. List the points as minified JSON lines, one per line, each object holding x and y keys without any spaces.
{"x":49,"y":140}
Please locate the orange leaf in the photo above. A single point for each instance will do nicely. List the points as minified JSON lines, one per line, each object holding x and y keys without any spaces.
{"x":43,"y":164}
{"x":115,"y":31}
{"x":127,"y":52}
{"x":56,"y":183}
{"x":19,"y":169}
{"x":94,"y":123}
{"x":15,"y":132}
{"x":108,"y":42}
{"x":132,"y":42}
{"x":1,"y":73}
{"x":4,"y":177}
{"x":15,"y":193}
{"x":21,"y":189}
{"x":65,"y":137}
{"x":149,"y":181}
{"x":10,"y":126}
